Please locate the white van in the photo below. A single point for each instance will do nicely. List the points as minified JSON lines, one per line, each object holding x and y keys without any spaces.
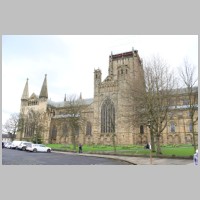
{"x":15,"y":144}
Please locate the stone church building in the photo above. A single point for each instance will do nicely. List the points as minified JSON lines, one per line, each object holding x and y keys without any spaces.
{"x":107,"y":114}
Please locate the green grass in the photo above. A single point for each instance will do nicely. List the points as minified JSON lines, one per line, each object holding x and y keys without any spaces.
{"x":167,"y":150}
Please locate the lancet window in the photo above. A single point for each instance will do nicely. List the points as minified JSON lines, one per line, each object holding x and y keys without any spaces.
{"x":107,"y":117}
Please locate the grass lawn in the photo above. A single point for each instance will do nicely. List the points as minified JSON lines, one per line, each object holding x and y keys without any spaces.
{"x":167,"y":150}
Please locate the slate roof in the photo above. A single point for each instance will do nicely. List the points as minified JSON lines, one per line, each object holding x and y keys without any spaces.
{"x":65,"y":103}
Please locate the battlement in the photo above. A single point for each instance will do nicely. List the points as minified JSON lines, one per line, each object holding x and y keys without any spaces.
{"x":123,"y":55}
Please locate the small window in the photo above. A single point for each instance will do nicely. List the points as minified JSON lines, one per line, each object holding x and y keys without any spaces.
{"x":77,"y":130}
{"x":190,"y":127}
{"x":189,"y":113}
{"x":172,"y":127}
{"x":185,"y":102}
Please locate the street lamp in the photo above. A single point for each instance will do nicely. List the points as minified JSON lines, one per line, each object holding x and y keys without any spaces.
{"x":149,"y":125}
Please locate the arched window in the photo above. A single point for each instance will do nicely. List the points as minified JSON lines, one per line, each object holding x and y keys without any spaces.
{"x":30,"y":125}
{"x":28,"y":131}
{"x":108,"y":117}
{"x":54,"y":132}
{"x":141,"y":129}
{"x":172,"y":127}
{"x":88,"y":128}
{"x":65,"y":129}
{"x":77,"y":130}
{"x":190,"y":127}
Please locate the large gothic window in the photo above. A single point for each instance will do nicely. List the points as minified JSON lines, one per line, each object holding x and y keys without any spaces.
{"x":29,"y":131}
{"x":141,"y":129}
{"x":107,"y":117}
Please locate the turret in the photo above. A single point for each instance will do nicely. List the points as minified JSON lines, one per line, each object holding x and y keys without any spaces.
{"x":65,"y":98}
{"x":25,"y":95}
{"x":44,"y":92}
{"x":97,"y":80}
{"x":80,"y":96}
{"x":110,"y":70}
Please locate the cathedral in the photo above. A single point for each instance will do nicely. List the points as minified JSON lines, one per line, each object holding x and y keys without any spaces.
{"x":107,"y":114}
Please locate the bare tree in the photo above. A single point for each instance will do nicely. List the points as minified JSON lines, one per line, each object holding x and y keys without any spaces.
{"x":11,"y":125}
{"x":190,"y":82}
{"x":21,"y":124}
{"x":35,"y":123}
{"x":75,"y":118}
{"x":153,"y":103}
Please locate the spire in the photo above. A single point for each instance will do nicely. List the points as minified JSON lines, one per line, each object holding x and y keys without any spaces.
{"x":44,"y":92}
{"x":80,"y":96}
{"x":65,"y":98}
{"x":25,"y":94}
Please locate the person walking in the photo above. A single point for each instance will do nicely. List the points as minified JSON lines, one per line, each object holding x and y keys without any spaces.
{"x":80,"y":148}
{"x":195,"y":158}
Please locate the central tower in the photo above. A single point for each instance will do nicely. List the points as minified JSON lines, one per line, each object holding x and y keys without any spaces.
{"x":112,"y":97}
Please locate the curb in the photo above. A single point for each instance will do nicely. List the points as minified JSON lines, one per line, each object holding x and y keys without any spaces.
{"x":128,"y":155}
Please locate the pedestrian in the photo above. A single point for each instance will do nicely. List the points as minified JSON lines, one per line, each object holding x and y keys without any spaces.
{"x":80,"y":148}
{"x":148,"y":146}
{"x":195,"y":158}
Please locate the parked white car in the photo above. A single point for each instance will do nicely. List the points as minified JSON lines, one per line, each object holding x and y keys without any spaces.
{"x":15,"y":144}
{"x":8,"y":145}
{"x":38,"y":148}
{"x":22,"y":146}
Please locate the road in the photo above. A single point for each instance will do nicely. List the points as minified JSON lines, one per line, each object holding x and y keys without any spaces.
{"x":17,"y":157}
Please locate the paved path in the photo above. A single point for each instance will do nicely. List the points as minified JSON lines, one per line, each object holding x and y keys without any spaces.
{"x":141,"y":160}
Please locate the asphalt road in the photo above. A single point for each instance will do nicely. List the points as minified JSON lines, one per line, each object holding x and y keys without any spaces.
{"x":18,"y":157}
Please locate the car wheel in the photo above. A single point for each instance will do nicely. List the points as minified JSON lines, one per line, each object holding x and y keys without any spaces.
{"x":23,"y":148}
{"x":34,"y":150}
{"x":48,"y":150}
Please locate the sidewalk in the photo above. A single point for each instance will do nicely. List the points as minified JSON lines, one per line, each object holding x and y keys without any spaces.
{"x":138,"y":160}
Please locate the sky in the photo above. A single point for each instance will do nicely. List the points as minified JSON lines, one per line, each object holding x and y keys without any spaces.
{"x":69,"y":61}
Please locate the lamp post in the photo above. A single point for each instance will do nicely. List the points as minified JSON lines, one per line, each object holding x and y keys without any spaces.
{"x":149,"y":125}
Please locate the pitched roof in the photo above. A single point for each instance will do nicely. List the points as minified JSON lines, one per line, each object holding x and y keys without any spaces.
{"x":66,"y":103}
